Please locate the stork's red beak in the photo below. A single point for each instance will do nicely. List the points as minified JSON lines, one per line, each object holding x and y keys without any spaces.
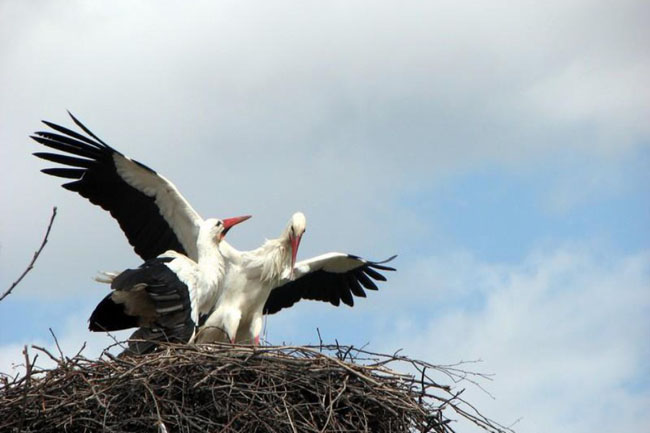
{"x":295,"y":243}
{"x":228,"y":223}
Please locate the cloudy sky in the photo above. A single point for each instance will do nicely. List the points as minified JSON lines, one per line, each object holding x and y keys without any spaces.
{"x":502,"y":149}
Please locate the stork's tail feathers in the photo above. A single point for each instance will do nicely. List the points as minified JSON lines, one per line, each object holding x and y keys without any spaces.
{"x":106,"y":277}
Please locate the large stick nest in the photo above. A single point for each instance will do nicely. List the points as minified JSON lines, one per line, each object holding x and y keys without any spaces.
{"x":184,"y":388}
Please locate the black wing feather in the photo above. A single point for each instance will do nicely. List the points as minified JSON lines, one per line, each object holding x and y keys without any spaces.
{"x":65,"y":173}
{"x":356,"y":288}
{"x":374,"y":274}
{"x":109,"y":316}
{"x":64,"y":159}
{"x":326,"y":286}
{"x":65,"y":145}
{"x":73,"y":134}
{"x":346,"y":294}
{"x":169,"y":297}
{"x":98,"y":181}
{"x":85,"y":129}
{"x":365,"y":281}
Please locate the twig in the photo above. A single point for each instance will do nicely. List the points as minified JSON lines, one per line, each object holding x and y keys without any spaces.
{"x":28,"y":381}
{"x":36,"y":254}
{"x":56,"y":341}
{"x":320,"y":340}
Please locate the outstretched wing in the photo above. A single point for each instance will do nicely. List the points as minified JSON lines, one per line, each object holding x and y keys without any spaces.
{"x":332,"y":277}
{"x":152,"y":213}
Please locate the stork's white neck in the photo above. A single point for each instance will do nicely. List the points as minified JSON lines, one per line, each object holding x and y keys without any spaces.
{"x":275,"y":259}
{"x":209,"y":258}
{"x":208,"y":253}
{"x":270,"y":263}
{"x":276,"y":253}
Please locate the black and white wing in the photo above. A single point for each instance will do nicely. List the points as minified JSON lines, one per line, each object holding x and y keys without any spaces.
{"x":152,"y":213}
{"x":153,"y":298}
{"x":332,"y":277}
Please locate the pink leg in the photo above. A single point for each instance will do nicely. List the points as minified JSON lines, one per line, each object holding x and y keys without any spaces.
{"x":257,"y":340}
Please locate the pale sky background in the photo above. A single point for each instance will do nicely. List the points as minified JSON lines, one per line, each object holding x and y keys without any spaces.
{"x":502,"y":149}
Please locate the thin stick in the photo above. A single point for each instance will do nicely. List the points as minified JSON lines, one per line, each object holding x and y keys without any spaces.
{"x":36,"y":254}
{"x":56,"y":341}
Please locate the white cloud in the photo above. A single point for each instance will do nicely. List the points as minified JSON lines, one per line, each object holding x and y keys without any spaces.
{"x":372,"y":94}
{"x":567,"y":333}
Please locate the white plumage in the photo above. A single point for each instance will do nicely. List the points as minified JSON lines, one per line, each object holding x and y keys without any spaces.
{"x":248,"y":280}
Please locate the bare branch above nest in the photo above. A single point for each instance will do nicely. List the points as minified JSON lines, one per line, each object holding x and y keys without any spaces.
{"x":36,"y":254}
{"x":237,"y":388}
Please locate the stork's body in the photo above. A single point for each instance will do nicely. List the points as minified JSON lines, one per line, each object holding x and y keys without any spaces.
{"x":268,"y":279}
{"x":166,"y":296}
{"x":248,"y":280}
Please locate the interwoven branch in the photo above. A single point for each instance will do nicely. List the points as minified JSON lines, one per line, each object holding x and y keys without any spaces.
{"x":236,"y":389}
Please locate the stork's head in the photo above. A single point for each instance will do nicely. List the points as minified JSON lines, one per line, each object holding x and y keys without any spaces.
{"x":216,"y":229}
{"x":296,"y":228}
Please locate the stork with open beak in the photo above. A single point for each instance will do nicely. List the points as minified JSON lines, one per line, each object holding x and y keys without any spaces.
{"x":268,"y":279}
{"x":166,"y":296}
{"x":249,"y":278}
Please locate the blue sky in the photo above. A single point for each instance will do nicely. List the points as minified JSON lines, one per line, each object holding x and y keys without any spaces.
{"x":475,"y":210}
{"x":502,"y":149}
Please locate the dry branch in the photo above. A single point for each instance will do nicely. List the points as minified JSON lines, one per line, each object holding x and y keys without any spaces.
{"x":36,"y":254}
{"x":235,"y":389}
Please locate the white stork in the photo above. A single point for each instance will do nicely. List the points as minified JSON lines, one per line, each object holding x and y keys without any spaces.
{"x":166,"y":296}
{"x":155,"y":218}
{"x":268,"y":279}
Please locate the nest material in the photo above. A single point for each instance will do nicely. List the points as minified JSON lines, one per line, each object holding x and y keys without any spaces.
{"x":210,"y":388}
